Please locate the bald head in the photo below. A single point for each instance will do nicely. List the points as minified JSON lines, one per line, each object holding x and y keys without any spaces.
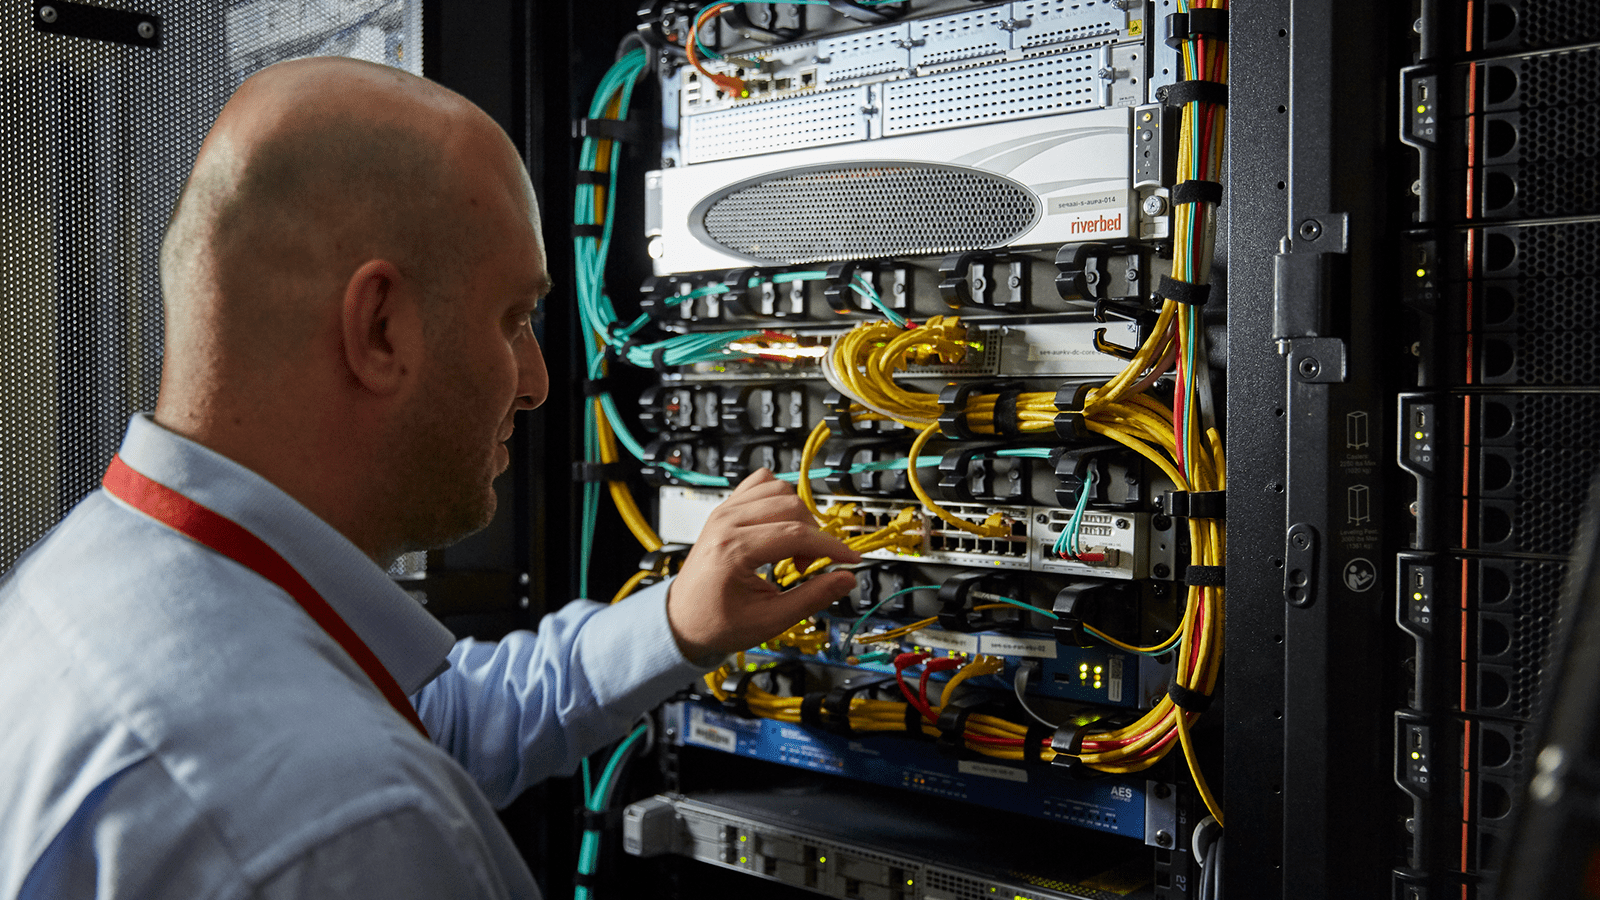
{"x":314,"y":167}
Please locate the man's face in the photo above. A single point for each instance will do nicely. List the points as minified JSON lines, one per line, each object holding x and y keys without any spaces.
{"x":483,"y":364}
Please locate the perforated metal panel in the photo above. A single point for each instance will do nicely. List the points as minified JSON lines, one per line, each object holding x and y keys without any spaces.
{"x":97,"y":141}
{"x":810,"y":120}
{"x":866,"y":53}
{"x":1067,"y":21}
{"x":1030,"y":87}
{"x":856,"y":211}
{"x":967,"y":35}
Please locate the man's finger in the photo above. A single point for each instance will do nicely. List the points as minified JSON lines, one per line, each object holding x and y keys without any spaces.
{"x":770,"y":542}
{"x":752,"y":481}
{"x":814,"y":595}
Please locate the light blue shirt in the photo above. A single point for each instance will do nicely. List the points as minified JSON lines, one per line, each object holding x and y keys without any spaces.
{"x":172,"y":725}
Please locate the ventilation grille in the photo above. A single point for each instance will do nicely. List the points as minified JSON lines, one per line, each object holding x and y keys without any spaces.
{"x":1541,"y":358}
{"x":1552,"y":23}
{"x":1031,"y":87}
{"x":1539,"y":304}
{"x":866,"y":53}
{"x":1538,"y":24}
{"x":863,"y":211}
{"x":1540,"y":420}
{"x":1065,"y":21}
{"x":949,"y":39}
{"x":807,"y":121}
{"x":98,"y":140}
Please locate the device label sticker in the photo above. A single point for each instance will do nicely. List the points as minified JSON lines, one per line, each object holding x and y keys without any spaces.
{"x":989,"y":770}
{"x":947,"y":640}
{"x":1114,"y":682}
{"x":1007,"y":645}
{"x":708,"y":735}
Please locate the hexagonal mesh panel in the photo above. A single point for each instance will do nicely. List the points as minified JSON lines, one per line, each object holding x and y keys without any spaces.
{"x":98,"y":138}
{"x":856,"y":211}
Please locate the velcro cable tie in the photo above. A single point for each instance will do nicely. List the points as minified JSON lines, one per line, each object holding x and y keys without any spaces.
{"x":811,"y":710}
{"x":588,"y":176}
{"x":1067,"y":742}
{"x":1196,"y":191}
{"x":737,"y":703}
{"x":913,"y":721}
{"x":1186,"y":92}
{"x":599,"y":819}
{"x":1204,"y":576}
{"x":619,"y":130}
{"x":1210,"y":23}
{"x":1033,"y":744}
{"x":1185,"y":699}
{"x":1195,"y":504}
{"x":588,"y":880}
{"x":1185,"y":292}
{"x":1005,"y":413}
{"x":658,"y":360}
{"x":952,"y":727}
{"x":594,"y":387}
{"x":594,"y":473}
{"x":588,"y":230}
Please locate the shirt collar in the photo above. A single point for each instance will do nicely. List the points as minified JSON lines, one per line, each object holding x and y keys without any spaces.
{"x":409,"y":642}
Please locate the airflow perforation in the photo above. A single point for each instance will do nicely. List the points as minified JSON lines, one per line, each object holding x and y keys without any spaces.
{"x":812,"y":120}
{"x":1030,"y":87}
{"x":954,"y":38}
{"x":855,"y":211}
{"x":1066,"y":21}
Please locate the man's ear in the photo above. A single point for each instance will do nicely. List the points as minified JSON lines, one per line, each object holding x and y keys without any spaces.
{"x":382,"y":327}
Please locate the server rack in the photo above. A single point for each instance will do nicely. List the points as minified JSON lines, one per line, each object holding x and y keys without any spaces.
{"x":1409,"y":191}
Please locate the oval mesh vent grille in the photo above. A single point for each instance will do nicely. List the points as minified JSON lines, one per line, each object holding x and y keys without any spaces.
{"x":858,"y":211}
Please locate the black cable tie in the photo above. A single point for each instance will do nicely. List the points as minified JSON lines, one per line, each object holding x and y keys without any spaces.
{"x":658,"y":360}
{"x":1197,"y":91}
{"x":1210,"y":23}
{"x":1067,"y":742}
{"x":1196,"y":191}
{"x":1185,"y":699}
{"x":737,"y":703}
{"x":811,"y":710}
{"x":1204,"y":576}
{"x":1185,"y":292}
{"x":619,"y":130}
{"x":588,"y":230}
{"x":836,"y":707}
{"x":595,"y":473}
{"x":599,"y":179}
{"x":913,"y":721}
{"x":594,"y":387}
{"x":599,"y":819}
{"x":590,"y":880}
{"x":952,"y":725}
{"x":1033,"y":743}
{"x":1005,"y":413}
{"x":1195,"y":504}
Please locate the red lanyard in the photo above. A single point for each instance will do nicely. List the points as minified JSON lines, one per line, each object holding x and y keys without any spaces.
{"x":229,"y":538}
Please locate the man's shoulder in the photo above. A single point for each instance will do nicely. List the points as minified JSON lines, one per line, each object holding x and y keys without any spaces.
{"x":126,"y":647}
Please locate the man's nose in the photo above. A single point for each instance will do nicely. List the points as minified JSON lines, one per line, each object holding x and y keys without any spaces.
{"x":533,"y":382}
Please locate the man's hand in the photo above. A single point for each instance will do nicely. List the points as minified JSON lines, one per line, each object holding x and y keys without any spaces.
{"x":718,"y":604}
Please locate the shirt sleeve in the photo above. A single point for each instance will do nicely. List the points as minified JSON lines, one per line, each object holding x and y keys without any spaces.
{"x":519,"y":710}
{"x":407,"y":855}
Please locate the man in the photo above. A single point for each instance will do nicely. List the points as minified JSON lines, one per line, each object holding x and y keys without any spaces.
{"x":203,"y":669}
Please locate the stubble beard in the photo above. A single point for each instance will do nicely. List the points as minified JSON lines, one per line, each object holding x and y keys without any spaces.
{"x":447,"y":491}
